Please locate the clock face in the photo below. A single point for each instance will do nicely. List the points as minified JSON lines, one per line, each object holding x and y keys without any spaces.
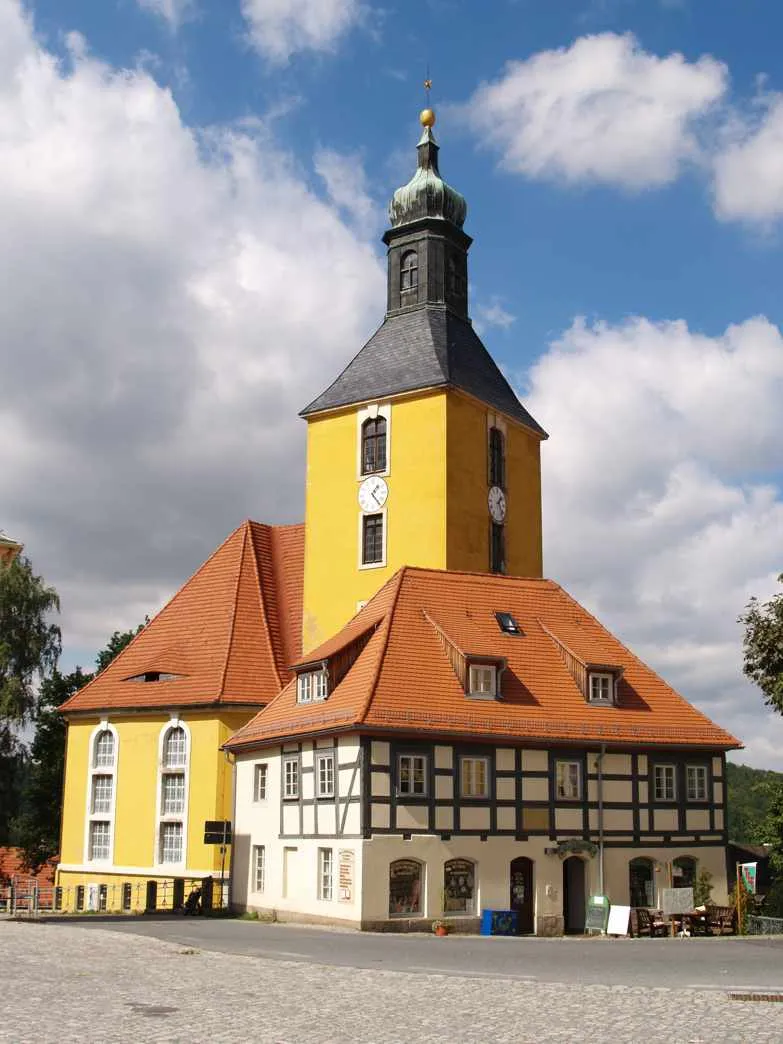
{"x":373,"y":493}
{"x":497,"y":504}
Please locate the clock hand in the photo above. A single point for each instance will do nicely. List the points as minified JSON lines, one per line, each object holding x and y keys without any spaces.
{"x":375,"y":496}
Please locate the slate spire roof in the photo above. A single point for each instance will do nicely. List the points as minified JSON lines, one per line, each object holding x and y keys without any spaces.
{"x":226,"y":638}
{"x":403,"y":679}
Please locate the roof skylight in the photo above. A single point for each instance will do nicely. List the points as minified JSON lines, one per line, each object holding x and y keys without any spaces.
{"x":508,"y":625}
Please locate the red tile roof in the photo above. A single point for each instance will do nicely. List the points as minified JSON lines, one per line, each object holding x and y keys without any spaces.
{"x":12,"y":865}
{"x":404,"y":681}
{"x":229,"y":634}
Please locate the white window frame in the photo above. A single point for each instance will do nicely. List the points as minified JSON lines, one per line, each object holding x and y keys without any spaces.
{"x":93,"y":770}
{"x":173,"y":792}
{"x":103,"y":825}
{"x":98,"y":781}
{"x":468,"y":766}
{"x":325,"y":884}
{"x":601,"y":677}
{"x":483,"y":681}
{"x":567,"y":780}
{"x":260,"y":781}
{"x":173,"y":825}
{"x":700,"y":791}
{"x":324,"y":775}
{"x":181,"y":768}
{"x":372,"y":411}
{"x":291,"y":779}
{"x":668,"y":775}
{"x":412,"y":759}
{"x":312,"y":686}
{"x":385,"y":531}
{"x":180,"y":750}
{"x":259,"y":868}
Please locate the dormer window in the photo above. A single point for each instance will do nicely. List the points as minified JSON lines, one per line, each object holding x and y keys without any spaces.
{"x":483,"y":681}
{"x":311,"y":686}
{"x":601,"y":687}
{"x":409,"y":272}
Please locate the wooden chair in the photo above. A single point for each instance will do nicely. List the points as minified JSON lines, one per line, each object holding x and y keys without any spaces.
{"x":649,"y":922}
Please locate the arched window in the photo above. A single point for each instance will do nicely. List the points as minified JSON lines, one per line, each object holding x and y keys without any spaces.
{"x":101,"y":795}
{"x":405,"y":888}
{"x":374,"y":445}
{"x":497,"y":458}
{"x":684,"y":872}
{"x":172,"y":794}
{"x":641,"y":882}
{"x":459,"y":886}
{"x":409,"y":271}
{"x":456,"y":279}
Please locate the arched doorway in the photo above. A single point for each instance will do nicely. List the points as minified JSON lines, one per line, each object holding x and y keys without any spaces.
{"x":521,"y":880}
{"x":641,"y":882}
{"x":574,"y":896}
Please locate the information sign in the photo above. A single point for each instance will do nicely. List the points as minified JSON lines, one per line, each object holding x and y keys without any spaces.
{"x":619,"y":917}
{"x":676,"y":901}
{"x":596,"y":914}
{"x":217,"y":832}
{"x":345,"y":874}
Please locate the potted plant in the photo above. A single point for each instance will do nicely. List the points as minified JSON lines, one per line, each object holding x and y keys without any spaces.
{"x":441,"y":927}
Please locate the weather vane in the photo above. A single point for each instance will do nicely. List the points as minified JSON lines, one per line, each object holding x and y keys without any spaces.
{"x":427,"y":115}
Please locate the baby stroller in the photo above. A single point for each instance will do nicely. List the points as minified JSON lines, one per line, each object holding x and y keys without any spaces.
{"x":193,"y":902}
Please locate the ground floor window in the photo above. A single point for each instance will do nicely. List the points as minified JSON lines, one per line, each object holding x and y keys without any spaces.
{"x":405,"y":887}
{"x":259,"y":867}
{"x":100,"y":839}
{"x":171,"y":842}
{"x":459,"y":887}
{"x":684,"y":872}
{"x":641,"y":882}
{"x":325,"y":864}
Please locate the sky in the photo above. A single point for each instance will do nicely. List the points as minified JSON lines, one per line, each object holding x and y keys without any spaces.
{"x":192,"y":194}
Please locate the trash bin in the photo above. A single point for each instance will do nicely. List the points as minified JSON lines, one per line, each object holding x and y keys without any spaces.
{"x":498,"y":922}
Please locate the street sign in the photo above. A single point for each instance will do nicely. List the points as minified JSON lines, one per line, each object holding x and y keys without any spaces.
{"x":217,"y":832}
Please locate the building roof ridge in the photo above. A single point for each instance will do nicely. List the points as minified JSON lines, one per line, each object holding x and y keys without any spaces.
{"x":245,"y":536}
{"x":399,"y":576}
{"x":263,"y":602}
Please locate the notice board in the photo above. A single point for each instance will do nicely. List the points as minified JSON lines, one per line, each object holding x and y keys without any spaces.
{"x":596,"y":914}
{"x":618,"y":920}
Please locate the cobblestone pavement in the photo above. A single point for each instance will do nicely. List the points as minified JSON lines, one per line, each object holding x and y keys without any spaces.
{"x":62,"y":983}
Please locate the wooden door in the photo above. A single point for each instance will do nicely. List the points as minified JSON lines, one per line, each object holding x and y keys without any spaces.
{"x":521,"y":879}
{"x":574,"y":895}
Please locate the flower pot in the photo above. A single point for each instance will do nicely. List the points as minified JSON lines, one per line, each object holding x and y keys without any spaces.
{"x":441,"y":929}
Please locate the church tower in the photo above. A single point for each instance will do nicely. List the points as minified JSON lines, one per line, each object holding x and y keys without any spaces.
{"x":419,"y":453}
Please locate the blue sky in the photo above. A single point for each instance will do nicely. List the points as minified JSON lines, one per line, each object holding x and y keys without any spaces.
{"x":192,"y":195}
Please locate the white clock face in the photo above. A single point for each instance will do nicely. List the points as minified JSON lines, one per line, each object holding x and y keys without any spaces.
{"x":373,"y":493}
{"x":497,"y":504}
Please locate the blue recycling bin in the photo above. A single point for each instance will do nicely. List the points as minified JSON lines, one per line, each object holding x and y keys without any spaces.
{"x":498,"y":922}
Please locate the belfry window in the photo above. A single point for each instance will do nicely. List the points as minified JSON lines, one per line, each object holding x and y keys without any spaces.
{"x":374,"y":445}
{"x":497,"y":548}
{"x":372,"y":540}
{"x":409,"y":272}
{"x":497,"y":458}
{"x":456,"y":279}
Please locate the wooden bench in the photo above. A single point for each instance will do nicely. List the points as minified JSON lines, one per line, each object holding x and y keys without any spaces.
{"x":720,"y":920}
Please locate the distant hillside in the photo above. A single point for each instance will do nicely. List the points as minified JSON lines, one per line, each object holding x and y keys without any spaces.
{"x":748,"y":797}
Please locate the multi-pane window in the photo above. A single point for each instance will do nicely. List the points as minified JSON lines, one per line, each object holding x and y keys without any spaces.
{"x":482,"y":680}
{"x":291,"y":778}
{"x":260,"y":774}
{"x":412,"y":774}
{"x":325,"y":867}
{"x":171,"y":842}
{"x":456,"y":276}
{"x":175,"y":748}
{"x":311,"y":686}
{"x":568,"y":781}
{"x":104,"y":750}
{"x":497,"y":458}
{"x":696,"y":782}
{"x":373,"y":445}
{"x":102,"y":787}
{"x":372,"y":539}
{"x":172,"y":802}
{"x":100,"y":840}
{"x":259,"y":867}
{"x":601,"y":688}
{"x":664,"y":777}
{"x":497,"y":547}
{"x":325,"y":775}
{"x":474,"y":781}
{"x":409,"y":271}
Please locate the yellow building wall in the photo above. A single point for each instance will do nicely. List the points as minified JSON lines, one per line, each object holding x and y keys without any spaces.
{"x":467,"y":513}
{"x":210,"y":796}
{"x":415,"y":510}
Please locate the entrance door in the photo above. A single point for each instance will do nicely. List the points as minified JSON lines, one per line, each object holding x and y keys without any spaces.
{"x":574,"y":895}
{"x":521,"y":876}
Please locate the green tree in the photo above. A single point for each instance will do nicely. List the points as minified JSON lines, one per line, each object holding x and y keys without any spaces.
{"x":763,"y":647}
{"x":37,"y":829}
{"x":29,"y":648}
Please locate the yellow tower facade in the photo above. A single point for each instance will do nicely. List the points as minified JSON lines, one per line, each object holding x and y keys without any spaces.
{"x":419,"y":453}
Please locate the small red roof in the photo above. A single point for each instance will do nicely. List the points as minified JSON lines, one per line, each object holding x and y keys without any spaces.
{"x":228,"y":635}
{"x":403,"y":679}
{"x":12,"y":865}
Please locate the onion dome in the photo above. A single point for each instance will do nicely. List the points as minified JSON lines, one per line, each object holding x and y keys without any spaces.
{"x":427,"y":195}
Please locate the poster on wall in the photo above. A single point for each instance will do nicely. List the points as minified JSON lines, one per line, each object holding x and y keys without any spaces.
{"x":404,"y":888}
{"x":345,"y":875}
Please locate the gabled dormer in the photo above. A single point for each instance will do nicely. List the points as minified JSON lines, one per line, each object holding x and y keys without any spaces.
{"x":598,"y":682}
{"x":480,"y":673}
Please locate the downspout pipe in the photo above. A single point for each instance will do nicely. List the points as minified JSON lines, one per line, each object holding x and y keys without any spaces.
{"x":600,"y":766}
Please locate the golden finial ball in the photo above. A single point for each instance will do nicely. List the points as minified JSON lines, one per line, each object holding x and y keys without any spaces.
{"x":427,"y":118}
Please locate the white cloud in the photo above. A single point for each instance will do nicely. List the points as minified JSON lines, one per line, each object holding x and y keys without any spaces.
{"x":167,"y":308}
{"x":280,"y":28}
{"x":174,"y":12}
{"x":650,"y":516}
{"x":602,"y":110}
{"x":493,"y":314}
{"x":346,"y":185}
{"x":748,"y":166}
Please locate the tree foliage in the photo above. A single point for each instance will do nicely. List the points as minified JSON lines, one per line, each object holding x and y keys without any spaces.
{"x":750,"y":794}
{"x":763,"y":647}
